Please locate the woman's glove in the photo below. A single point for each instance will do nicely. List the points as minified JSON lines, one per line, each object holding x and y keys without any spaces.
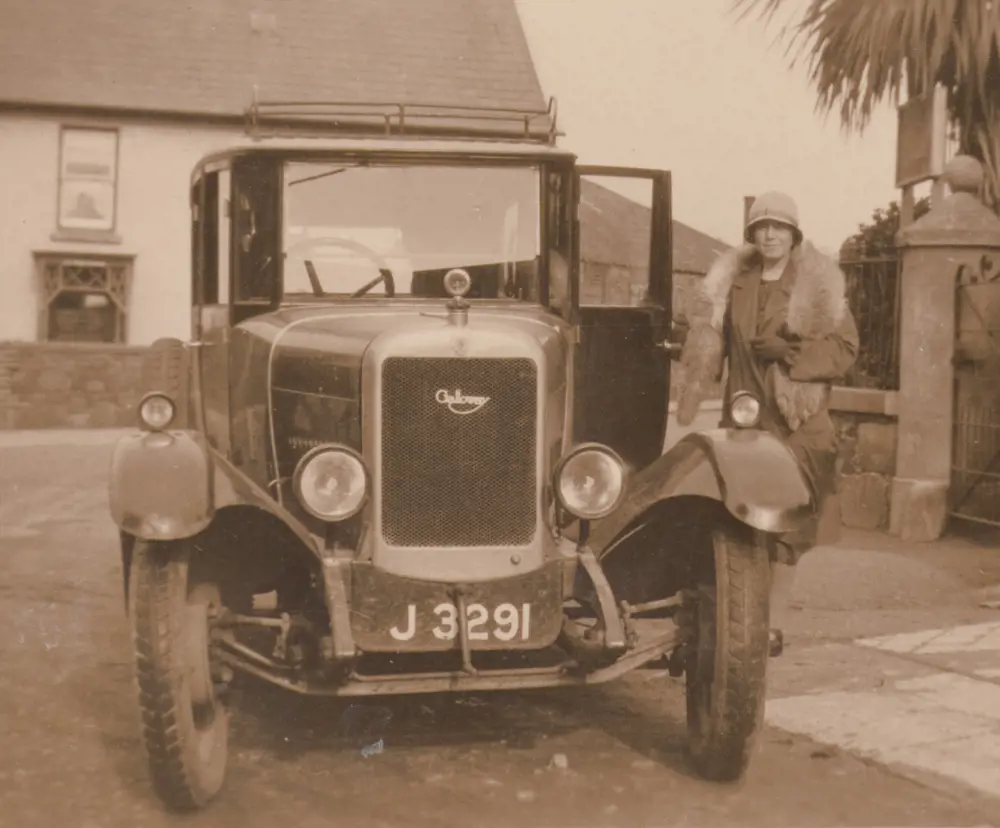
{"x":773,"y":348}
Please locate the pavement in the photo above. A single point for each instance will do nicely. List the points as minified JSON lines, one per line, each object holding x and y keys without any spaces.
{"x":925,"y":704}
{"x":883,"y":710}
{"x":896,"y":659}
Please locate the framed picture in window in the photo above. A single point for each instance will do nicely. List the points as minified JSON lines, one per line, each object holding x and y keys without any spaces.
{"x":88,"y":178}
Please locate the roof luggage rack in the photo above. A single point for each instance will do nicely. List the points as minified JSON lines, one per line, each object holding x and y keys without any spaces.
{"x":267,"y":118}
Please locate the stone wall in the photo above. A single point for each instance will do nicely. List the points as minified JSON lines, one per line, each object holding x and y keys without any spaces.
{"x":684,"y":286}
{"x":51,"y":385}
{"x":867,"y":463}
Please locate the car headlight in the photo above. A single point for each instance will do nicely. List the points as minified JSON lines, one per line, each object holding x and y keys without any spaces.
{"x":744,"y":408}
{"x":331,"y":482}
{"x":156,"y":411}
{"x":590,"y":481}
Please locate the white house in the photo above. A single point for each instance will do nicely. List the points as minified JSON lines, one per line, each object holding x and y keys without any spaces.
{"x":106,"y":106}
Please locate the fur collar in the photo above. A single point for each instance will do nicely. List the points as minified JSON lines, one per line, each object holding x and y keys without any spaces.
{"x":818,"y":302}
{"x":817,"y":305}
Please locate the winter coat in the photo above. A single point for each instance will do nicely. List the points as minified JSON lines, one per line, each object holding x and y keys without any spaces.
{"x":808,"y":306}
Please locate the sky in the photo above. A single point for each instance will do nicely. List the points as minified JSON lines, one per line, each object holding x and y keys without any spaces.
{"x":686,"y":85}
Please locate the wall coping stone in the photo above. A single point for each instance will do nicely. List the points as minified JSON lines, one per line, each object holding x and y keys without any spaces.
{"x":82,"y":348}
{"x":864,"y":401}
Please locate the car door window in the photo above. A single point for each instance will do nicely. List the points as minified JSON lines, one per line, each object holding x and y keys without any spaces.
{"x":615,"y":219}
{"x":256,"y":236}
{"x":559,"y":236}
{"x":211,"y":240}
{"x":223,"y":212}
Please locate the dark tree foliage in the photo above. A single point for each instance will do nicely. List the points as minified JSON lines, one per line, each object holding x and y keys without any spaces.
{"x":878,"y":237}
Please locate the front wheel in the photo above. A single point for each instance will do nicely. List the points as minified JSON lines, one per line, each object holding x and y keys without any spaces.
{"x":185,"y":726}
{"x":726,"y":672}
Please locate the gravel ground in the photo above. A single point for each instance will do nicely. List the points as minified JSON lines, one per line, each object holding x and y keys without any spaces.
{"x":611,"y":755}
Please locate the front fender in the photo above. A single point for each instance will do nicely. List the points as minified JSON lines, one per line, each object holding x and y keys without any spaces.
{"x":753,"y":473}
{"x":161,"y":485}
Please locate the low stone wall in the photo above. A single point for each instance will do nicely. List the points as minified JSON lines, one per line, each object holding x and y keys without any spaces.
{"x":867,"y":463}
{"x":684,"y":285}
{"x":52,"y":385}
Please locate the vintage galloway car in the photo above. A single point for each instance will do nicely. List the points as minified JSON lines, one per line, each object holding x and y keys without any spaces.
{"x":403,"y":453}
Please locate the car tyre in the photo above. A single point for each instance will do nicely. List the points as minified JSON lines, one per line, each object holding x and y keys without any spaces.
{"x":185,"y":726}
{"x":726,"y":676}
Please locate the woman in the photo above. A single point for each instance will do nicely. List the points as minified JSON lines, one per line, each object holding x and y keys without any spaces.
{"x":775,"y":310}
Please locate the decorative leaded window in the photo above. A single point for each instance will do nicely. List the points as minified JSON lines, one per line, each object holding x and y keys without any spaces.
{"x":83,"y":298}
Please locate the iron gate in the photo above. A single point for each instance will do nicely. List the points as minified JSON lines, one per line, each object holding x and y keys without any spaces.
{"x":975,"y":471}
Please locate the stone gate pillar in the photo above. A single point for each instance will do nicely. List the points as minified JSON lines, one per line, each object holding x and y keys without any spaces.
{"x":957,"y":231}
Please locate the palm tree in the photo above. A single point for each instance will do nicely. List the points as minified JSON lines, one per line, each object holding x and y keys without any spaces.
{"x":862,"y":52}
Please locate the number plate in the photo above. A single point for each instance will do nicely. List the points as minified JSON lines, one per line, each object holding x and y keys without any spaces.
{"x":509,"y":623}
{"x":390,"y":613}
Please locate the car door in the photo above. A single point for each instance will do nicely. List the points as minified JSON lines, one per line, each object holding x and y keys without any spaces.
{"x":623,"y":272}
{"x":211,"y":304}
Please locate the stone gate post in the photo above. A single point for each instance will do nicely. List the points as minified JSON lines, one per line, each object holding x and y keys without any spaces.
{"x":957,"y":231}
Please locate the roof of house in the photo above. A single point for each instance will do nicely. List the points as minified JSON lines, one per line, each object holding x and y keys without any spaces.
{"x":617,"y":230}
{"x":204,"y":57}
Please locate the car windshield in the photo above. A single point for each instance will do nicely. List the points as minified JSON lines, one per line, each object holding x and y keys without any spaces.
{"x":347,"y":226}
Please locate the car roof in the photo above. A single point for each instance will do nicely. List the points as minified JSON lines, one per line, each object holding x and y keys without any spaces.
{"x":304,"y":148}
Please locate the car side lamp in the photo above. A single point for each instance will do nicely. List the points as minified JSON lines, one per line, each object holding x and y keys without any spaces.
{"x":744,"y":409}
{"x":156,"y":411}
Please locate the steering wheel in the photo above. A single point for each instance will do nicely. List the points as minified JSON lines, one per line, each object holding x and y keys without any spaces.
{"x":384,"y":271}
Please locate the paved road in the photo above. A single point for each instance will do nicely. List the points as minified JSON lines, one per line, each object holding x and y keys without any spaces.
{"x":925,"y":701}
{"x":71,"y":756}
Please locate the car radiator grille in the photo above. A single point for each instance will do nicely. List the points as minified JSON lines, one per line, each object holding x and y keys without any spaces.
{"x":452,"y":479}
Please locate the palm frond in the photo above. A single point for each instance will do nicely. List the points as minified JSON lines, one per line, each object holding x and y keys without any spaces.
{"x":863,"y":53}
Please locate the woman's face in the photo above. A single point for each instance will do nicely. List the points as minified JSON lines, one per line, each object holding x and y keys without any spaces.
{"x":773,"y":239}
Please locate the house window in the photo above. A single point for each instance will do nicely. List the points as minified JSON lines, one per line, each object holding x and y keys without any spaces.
{"x":88,"y":182}
{"x":84,"y":298}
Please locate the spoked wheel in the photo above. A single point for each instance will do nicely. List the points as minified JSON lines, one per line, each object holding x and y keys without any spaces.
{"x":727,"y":669}
{"x":185,"y":725}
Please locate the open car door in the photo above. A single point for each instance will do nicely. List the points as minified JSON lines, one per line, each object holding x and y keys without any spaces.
{"x":624,"y":286}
